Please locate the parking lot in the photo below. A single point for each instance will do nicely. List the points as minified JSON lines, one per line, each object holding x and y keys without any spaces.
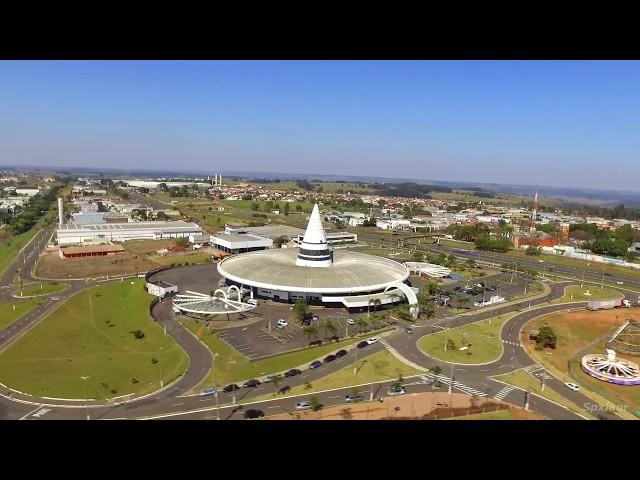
{"x":505,"y":285}
{"x":262,"y":338}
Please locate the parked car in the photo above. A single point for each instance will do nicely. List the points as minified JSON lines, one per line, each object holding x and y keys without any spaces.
{"x":292,"y":373}
{"x":251,"y":383}
{"x":340,"y":353}
{"x":306,"y":322}
{"x":329,"y":358}
{"x":269,"y":378}
{"x":208,"y":391}
{"x":371,"y":340}
{"x":353,"y":398}
{"x":303,"y":406}
{"x":315,"y":364}
{"x":315,"y":342}
{"x":315,"y":317}
{"x":396,"y":390}
{"x":230,"y":388}
{"x":253,"y":413}
{"x":351,"y":321}
{"x":362,"y":344}
{"x":282,"y":323}
{"x":284,"y":389}
{"x":572,"y":386}
{"x":408,"y":330}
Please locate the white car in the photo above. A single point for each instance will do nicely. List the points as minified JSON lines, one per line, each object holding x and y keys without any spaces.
{"x":572,"y":386}
{"x":477,"y":304}
{"x":351,"y":321}
{"x":282,"y":323}
{"x":372,"y":340}
{"x":303,"y":406}
{"x":396,"y":391}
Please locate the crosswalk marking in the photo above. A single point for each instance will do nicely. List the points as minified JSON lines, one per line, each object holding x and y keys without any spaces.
{"x":517,"y":344}
{"x":504,"y":392}
{"x":532,"y":368}
{"x":459,"y":385}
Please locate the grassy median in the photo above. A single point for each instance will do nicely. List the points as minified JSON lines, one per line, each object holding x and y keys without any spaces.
{"x":105,"y":333}
{"x":482,"y":340}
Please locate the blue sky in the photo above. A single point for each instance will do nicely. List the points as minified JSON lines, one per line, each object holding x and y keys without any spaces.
{"x":560,"y":123}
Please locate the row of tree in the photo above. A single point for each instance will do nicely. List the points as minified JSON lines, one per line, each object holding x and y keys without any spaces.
{"x":34,"y":209}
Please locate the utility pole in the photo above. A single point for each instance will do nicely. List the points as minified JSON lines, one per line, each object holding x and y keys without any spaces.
{"x":84,"y":379}
{"x":355,"y":364}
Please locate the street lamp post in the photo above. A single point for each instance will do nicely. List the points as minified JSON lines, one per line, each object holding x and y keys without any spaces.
{"x":355,"y":363}
{"x":84,"y":379}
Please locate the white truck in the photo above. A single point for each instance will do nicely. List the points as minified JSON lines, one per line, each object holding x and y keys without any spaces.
{"x":608,"y":304}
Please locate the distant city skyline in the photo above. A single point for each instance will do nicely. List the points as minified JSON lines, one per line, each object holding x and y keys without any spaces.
{"x":550,"y":123}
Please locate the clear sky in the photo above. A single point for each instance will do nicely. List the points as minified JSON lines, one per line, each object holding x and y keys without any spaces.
{"x":559,"y":123}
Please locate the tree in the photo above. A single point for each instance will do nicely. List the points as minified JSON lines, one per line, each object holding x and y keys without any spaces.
{"x":418,"y":256}
{"x":286,"y":208}
{"x":362,"y":324}
{"x":162,"y":216}
{"x":547,"y":337}
{"x":300,"y":310}
{"x":429,"y":310}
{"x":329,"y":329}
{"x":309,"y":332}
{"x":298,"y":208}
{"x":533,"y":250}
{"x":254,"y":206}
{"x":315,"y":403}
{"x":471,"y":263}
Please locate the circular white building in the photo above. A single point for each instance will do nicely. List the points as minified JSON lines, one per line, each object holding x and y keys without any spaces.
{"x":318,"y":274}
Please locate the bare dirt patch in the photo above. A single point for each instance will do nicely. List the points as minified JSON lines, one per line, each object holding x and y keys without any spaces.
{"x":575,"y":330}
{"x":413,"y":406}
{"x":147,"y":247}
{"x":51,"y":265}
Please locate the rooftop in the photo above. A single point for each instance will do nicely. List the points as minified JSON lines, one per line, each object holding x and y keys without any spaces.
{"x":178,"y":224}
{"x":350,"y":272}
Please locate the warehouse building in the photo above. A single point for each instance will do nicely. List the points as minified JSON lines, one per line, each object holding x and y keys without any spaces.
{"x":240,"y":242}
{"x":90,"y":251}
{"x":76,"y":234}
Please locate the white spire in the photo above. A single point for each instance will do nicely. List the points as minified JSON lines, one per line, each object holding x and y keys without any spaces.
{"x":315,"y":230}
{"x":314,"y":251}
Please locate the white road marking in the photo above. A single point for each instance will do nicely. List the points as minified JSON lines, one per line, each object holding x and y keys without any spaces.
{"x":32,"y":411}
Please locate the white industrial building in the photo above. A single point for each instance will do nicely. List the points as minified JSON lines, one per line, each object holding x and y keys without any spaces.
{"x":75,"y":234}
{"x":240,"y":242}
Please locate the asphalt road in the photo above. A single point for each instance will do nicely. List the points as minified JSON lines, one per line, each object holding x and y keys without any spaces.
{"x":173,"y":403}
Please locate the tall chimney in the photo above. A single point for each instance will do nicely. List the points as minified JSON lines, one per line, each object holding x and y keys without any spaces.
{"x":60,"y":211}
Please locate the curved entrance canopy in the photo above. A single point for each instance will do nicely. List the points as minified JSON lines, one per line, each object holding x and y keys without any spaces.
{"x":411,"y":297}
{"x":216,"y":304}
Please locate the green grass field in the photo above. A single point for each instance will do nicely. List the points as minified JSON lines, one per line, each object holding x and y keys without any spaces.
{"x":233,"y":367}
{"x":8,"y":315}
{"x":374,"y":368}
{"x":576,"y":293}
{"x":522,"y":379}
{"x":550,"y":260}
{"x":246,"y":205}
{"x":91,"y":335}
{"x":483,"y":336}
{"x":445,"y":242}
{"x":40,"y":288}
{"x":194,"y":257}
